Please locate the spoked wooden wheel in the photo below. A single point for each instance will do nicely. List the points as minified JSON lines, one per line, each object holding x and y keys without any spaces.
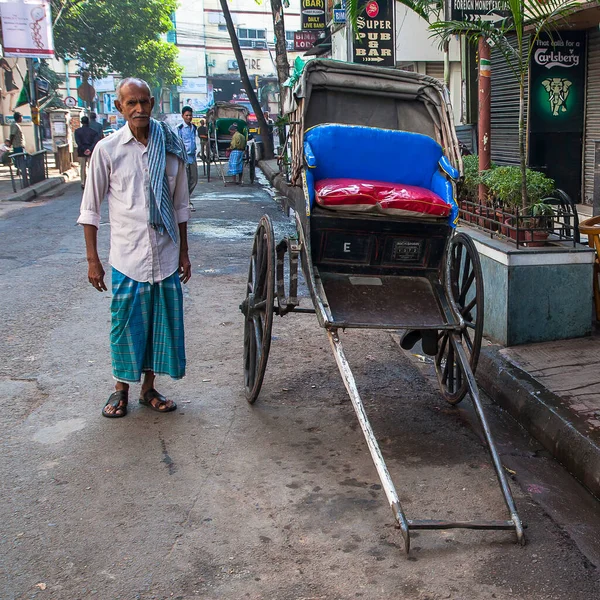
{"x":464,"y":284}
{"x":258,"y":308}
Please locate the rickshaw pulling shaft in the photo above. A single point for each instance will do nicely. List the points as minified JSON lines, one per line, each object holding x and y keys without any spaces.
{"x":404,"y":524}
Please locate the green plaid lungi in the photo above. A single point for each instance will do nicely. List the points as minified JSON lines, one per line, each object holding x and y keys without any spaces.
{"x":236,"y":162}
{"x":146,"y":328}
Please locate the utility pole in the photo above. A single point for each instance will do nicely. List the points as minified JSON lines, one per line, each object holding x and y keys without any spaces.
{"x":281,"y":59}
{"x":484,"y":121}
{"x":35,"y":113}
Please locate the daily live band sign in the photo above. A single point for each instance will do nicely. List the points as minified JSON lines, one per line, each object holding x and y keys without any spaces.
{"x":313,"y":15}
{"x":375,"y":41}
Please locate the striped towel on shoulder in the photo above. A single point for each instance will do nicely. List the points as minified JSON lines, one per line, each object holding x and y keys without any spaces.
{"x":160,"y":141}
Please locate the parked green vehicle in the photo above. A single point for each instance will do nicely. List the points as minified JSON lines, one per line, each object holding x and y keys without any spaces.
{"x":219,"y":119}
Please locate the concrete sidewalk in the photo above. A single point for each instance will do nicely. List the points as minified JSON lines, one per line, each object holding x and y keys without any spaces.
{"x":55,"y":178}
{"x":552,"y":389}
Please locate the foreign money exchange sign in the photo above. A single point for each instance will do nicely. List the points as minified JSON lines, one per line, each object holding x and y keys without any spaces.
{"x":313,"y":15}
{"x":375,"y":41}
{"x":478,"y":10}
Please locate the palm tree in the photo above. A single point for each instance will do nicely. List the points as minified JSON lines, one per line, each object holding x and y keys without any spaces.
{"x":281,"y":59}
{"x":262,"y":123}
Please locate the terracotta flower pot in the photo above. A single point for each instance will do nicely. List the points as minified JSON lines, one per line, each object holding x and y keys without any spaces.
{"x":536,"y":239}
{"x":511,"y":233}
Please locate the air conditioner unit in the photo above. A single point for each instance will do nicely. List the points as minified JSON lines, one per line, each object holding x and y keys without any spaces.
{"x":259,"y":44}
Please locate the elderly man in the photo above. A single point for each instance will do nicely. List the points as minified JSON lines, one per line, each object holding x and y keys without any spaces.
{"x":141,"y":171}
{"x":236,"y":156}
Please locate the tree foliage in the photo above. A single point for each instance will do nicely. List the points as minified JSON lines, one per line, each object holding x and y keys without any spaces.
{"x":121,"y":36}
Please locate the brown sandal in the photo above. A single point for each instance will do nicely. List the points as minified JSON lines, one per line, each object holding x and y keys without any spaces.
{"x":152,"y":399}
{"x":118,"y":400}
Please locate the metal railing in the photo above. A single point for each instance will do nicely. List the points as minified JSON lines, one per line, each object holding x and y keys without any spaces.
{"x":29,"y":168}
{"x":559,"y":224}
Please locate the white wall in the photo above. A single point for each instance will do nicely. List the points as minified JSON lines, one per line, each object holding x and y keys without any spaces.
{"x":414,"y":41}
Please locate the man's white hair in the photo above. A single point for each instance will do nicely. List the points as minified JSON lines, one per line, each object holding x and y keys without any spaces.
{"x":127,"y":81}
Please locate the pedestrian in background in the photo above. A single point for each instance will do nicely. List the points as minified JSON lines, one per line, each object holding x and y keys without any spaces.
{"x":236,"y":156}
{"x":95,"y":125}
{"x":187,"y":133}
{"x":86,"y":139}
{"x":203,"y":137}
{"x":140,"y":170}
{"x":17,"y":140}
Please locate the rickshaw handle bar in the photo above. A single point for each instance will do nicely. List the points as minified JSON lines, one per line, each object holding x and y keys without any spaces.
{"x":384,"y":475}
{"x":508,"y":498}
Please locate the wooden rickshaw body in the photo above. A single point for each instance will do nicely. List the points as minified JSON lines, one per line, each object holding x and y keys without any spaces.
{"x":384,"y":99}
{"x":375,"y":270}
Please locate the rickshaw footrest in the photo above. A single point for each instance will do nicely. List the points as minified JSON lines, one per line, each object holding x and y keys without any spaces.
{"x":436,"y":524}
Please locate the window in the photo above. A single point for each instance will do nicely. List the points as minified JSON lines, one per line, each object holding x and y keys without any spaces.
{"x":222,"y":27}
{"x":252,"y":38}
{"x":289,"y":40}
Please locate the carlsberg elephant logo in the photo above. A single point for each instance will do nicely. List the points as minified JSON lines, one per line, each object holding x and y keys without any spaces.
{"x":558,"y":92}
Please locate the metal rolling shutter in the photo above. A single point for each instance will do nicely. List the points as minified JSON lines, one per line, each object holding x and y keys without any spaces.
{"x":435,"y":69}
{"x":592,"y":115}
{"x":505,"y":112}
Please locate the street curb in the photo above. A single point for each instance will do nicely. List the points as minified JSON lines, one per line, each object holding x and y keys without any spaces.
{"x":277,"y":180}
{"x":544,"y":414}
{"x":39,"y":189}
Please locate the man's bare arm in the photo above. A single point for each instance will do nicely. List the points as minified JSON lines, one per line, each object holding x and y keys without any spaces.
{"x":185,"y":266}
{"x":95,"y":269}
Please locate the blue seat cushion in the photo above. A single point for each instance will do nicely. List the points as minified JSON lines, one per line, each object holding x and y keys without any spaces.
{"x":336,"y":151}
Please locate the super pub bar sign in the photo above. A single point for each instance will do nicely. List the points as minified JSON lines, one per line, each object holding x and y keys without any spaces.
{"x":375,"y":41}
{"x":313,"y":15}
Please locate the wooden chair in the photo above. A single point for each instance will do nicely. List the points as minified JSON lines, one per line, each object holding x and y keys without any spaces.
{"x":591,"y":228}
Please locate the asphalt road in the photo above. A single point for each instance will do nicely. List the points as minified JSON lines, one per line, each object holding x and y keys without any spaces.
{"x":221,"y":500}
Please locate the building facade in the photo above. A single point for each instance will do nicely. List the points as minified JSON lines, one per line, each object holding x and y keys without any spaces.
{"x":415,"y":51}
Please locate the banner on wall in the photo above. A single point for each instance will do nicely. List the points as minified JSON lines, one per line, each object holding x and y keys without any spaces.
{"x":557,"y":82}
{"x":557,"y":74}
{"x":27,"y":28}
{"x":375,"y":41}
{"x":193,"y":85}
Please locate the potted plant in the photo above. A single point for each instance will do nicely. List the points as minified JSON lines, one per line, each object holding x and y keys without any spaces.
{"x":540,"y":222}
{"x":504,"y":186}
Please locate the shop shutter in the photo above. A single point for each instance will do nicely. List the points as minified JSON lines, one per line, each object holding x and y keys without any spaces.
{"x":592,"y":115}
{"x":505,"y":112}
{"x":435,"y":69}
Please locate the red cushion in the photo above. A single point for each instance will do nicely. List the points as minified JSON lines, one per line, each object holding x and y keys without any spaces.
{"x":378,"y":196}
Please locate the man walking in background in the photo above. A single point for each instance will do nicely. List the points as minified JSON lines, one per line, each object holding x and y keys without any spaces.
{"x":141,"y":171}
{"x":236,"y":156}
{"x":17,"y":140}
{"x":86,"y":139}
{"x":187,"y":133}
{"x":95,"y":125}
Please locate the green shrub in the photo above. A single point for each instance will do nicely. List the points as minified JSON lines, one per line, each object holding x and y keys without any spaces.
{"x":468,"y":187}
{"x":504,"y":186}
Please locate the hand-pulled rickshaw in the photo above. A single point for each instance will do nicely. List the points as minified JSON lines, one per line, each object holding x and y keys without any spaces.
{"x":376,"y":154}
{"x":219,"y":118}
